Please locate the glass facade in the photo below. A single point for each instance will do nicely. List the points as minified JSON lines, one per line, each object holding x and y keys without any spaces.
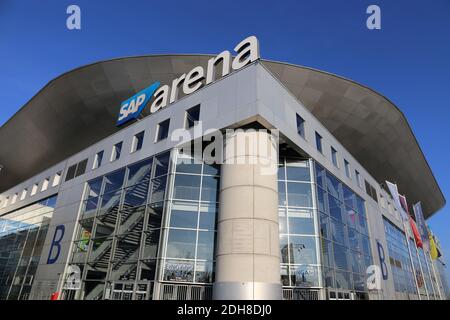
{"x":22,"y":236}
{"x":147,"y":222}
{"x":344,"y":236}
{"x":116,"y":245}
{"x":190,"y":224}
{"x":399,"y":259}
{"x":298,"y":239}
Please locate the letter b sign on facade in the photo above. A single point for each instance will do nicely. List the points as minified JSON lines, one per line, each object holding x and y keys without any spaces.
{"x":55,"y":246}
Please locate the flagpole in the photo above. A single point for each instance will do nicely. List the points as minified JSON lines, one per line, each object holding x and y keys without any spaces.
{"x":435,"y":276}
{"x":411,"y":259}
{"x":421,"y":270}
{"x":429,"y":271}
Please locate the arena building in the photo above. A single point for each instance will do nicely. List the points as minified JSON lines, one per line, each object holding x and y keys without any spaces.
{"x":108,"y":190}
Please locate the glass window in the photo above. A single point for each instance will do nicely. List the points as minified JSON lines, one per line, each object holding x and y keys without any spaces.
{"x":282,"y":220}
{"x":334,"y":157}
{"x":299,"y":194}
{"x":138,"y":141}
{"x":319,"y":142}
{"x":98,"y":160}
{"x":117,"y":149}
{"x":338,"y":231}
{"x":208,"y":214}
{"x":335,"y":208}
{"x":358,"y":178}
{"x":320,"y":175}
{"x":301,"y":221}
{"x":158,"y":189}
{"x":304,"y":276}
{"x":70,"y":173}
{"x":56,"y":179}
{"x":162,"y":131}
{"x":349,"y":197}
{"x":155,"y":212}
{"x":151,"y":244}
{"x":340,"y":257}
{"x":184,"y":215}
{"x":187,"y":187}
{"x":136,"y":195}
{"x":204,"y":272}
{"x":302,"y":250}
{"x":43,"y":188}
{"x":181,"y":244}
{"x":210,"y":188}
{"x":347,"y":168}
{"x":298,"y":171}
{"x":94,"y":187}
{"x":205,"y":247}
{"x":324,"y":226}
{"x":211,"y":169}
{"x":188,"y":164}
{"x":333,"y":186}
{"x":139,"y":172}
{"x":180,"y":271}
{"x":327,"y":253}
{"x":114,"y":181}
{"x":322,"y":200}
{"x":162,"y":164}
{"x":300,"y":126}
{"x":282,"y":193}
{"x":284,"y":249}
{"x":192,"y":116}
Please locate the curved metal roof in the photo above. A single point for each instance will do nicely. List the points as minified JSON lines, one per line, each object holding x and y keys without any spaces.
{"x":80,"y":107}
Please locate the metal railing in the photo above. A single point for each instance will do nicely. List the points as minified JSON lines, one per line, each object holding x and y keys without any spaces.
{"x":300,"y":294}
{"x":171,"y":291}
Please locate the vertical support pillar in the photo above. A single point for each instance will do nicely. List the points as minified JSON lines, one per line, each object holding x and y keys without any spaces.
{"x":248,"y":253}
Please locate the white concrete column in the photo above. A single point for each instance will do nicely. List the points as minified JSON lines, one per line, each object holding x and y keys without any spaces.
{"x":248,"y":254}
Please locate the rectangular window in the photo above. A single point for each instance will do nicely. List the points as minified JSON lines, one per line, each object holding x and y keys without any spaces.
{"x":56,"y":179}
{"x":71,"y":172}
{"x":319,"y":142}
{"x":14,"y":198}
{"x":45,"y":184}
{"x":138,"y":141}
{"x":24,"y":194}
{"x":5,"y":203}
{"x":81,"y":167}
{"x":371,"y":191}
{"x":358,"y":178}
{"x":192,"y":116}
{"x":162,"y":131}
{"x":301,"y":126}
{"x":117,"y":149}
{"x":34,"y":189}
{"x":347,"y":168}
{"x":98,"y":160}
{"x":334,"y":157}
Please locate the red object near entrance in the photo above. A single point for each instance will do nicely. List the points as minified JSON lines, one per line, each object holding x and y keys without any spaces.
{"x":54,"y":296}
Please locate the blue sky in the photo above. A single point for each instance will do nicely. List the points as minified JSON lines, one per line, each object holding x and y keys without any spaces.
{"x":407,"y":60}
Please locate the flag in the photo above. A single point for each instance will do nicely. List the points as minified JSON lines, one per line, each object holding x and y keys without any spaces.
{"x":412,"y":224}
{"x":415,"y":232}
{"x":433,"y":249}
{"x":423,"y":230}
{"x":395,"y":196}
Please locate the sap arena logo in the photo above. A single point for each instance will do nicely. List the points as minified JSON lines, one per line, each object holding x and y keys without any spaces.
{"x":132,"y":108}
{"x":246,"y":51}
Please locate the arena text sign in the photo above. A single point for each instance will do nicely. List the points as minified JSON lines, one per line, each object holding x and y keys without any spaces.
{"x":246,"y":51}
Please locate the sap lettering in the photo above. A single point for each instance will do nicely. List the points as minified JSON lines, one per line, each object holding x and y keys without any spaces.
{"x":382,"y":257}
{"x":247,"y":51}
{"x":56,"y":243}
{"x":132,"y":107}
